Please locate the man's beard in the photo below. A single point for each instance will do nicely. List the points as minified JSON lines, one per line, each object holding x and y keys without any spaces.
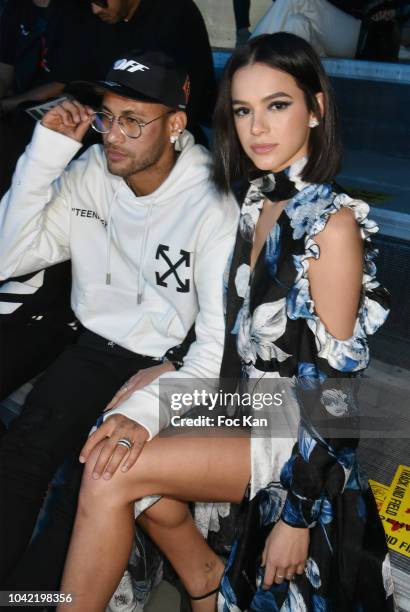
{"x":133,"y":165}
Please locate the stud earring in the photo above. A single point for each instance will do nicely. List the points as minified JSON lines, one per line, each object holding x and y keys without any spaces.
{"x":313,"y":122}
{"x":173,"y":139}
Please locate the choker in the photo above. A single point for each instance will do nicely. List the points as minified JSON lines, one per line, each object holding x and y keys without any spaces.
{"x":279,"y":186}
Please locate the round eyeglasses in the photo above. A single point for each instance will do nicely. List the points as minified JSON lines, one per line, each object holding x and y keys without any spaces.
{"x":103,"y":122}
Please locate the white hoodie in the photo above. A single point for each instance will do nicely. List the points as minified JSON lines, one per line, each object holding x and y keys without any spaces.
{"x":144,"y":268}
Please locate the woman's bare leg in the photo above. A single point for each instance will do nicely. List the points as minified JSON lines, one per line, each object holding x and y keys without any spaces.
{"x":170,"y":525}
{"x":200,"y":469}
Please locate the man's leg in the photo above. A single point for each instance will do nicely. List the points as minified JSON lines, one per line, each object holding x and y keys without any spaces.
{"x":241,"y":9}
{"x":41,"y":566}
{"x":57,"y":417}
{"x":27,"y":349}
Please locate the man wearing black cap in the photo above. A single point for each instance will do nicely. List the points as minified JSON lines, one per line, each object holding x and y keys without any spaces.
{"x":34,"y":309}
{"x":148,"y":238}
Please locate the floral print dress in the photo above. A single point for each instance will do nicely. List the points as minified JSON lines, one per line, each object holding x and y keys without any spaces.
{"x":313,"y":481}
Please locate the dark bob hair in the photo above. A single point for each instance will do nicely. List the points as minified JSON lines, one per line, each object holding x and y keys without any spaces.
{"x":293,"y":55}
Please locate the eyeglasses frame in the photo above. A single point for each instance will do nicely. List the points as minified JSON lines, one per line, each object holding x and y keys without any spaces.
{"x":114,"y":119}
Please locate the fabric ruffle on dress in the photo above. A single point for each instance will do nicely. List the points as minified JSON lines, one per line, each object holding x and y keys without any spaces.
{"x":352,"y":354}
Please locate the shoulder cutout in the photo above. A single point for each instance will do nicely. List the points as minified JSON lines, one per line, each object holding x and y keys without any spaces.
{"x":336,"y":276}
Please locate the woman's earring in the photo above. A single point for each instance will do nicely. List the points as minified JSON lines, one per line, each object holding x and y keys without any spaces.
{"x":173,"y":139}
{"x":313,"y":122}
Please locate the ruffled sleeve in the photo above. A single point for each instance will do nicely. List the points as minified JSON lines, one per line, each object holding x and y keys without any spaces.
{"x":324,"y":456}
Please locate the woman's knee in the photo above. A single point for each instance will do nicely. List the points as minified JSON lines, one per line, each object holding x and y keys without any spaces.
{"x":167,"y":513}
{"x":98,"y":492}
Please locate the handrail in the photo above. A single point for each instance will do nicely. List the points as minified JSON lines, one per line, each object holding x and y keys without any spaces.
{"x":346,"y":68}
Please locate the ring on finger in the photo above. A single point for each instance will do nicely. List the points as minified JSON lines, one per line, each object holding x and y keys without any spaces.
{"x":290,"y":576}
{"x":125,"y":442}
{"x":125,"y":387}
{"x":279,"y":576}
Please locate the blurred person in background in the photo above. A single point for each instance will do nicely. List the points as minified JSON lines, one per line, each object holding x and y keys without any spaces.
{"x":108,"y":28}
{"x":331,"y":31}
{"x":46,"y":44}
{"x":383,"y":30}
{"x":26,"y":39}
{"x":362,"y":29}
{"x":32,"y":52}
{"x":36,"y":320}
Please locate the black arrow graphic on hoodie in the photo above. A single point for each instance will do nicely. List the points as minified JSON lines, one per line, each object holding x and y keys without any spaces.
{"x":183,"y":287}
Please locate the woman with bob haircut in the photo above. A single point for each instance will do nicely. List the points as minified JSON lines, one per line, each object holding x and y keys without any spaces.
{"x":301,"y":299}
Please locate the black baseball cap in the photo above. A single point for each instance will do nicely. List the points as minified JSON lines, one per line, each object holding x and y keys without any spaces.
{"x":149,"y":76}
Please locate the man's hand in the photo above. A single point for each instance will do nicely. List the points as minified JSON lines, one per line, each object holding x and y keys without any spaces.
{"x":69,"y":118}
{"x":115,"y":428}
{"x":285,"y":553}
{"x":141,"y":379}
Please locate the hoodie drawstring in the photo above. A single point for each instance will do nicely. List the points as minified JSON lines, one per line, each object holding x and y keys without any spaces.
{"x":109,"y":225}
{"x":142,"y":249}
{"x":142,"y":254}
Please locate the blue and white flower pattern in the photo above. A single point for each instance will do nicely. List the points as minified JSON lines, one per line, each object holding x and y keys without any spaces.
{"x":242,"y":279}
{"x":272,"y":250}
{"x":312,"y":572}
{"x":258,"y":333}
{"x":295,"y":601}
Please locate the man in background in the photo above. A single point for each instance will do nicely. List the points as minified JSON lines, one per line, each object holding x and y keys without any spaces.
{"x":36,"y":321}
{"x":108,"y":28}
